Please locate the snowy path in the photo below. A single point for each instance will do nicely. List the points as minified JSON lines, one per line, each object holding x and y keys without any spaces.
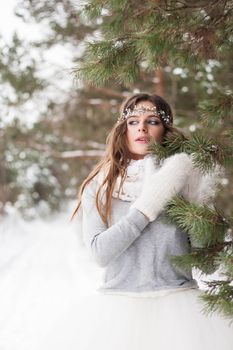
{"x":44,"y":268}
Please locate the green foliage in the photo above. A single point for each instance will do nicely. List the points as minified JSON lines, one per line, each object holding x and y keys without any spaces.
{"x":219,"y":298}
{"x":156,"y":34}
{"x":200,"y":258}
{"x":207,"y":226}
{"x":205,"y":152}
{"x":120,"y":60}
{"x":219,"y":295}
{"x":217,"y":110}
{"x":173,"y":143}
{"x":211,"y":249}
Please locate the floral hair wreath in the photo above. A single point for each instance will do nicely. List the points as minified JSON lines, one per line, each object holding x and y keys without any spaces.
{"x":140,"y":110}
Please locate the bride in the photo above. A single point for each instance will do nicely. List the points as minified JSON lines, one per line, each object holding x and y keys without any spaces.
{"x":144,"y":301}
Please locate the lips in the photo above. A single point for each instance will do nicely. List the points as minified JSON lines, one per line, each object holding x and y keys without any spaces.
{"x":142,"y":139}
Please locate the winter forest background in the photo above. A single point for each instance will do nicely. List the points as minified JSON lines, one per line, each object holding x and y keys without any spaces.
{"x":53,"y":125}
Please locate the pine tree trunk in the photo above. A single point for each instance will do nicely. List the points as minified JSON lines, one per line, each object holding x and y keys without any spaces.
{"x":160,"y":82}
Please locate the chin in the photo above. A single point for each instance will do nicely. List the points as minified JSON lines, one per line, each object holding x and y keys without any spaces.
{"x":141,"y":152}
{"x":138,"y":155}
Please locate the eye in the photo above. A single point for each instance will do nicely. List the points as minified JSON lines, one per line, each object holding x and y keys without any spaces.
{"x":149,"y":121}
{"x":132,"y":122}
{"x":153,"y":122}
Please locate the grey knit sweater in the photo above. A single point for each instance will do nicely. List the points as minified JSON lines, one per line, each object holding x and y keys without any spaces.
{"x":135,"y":252}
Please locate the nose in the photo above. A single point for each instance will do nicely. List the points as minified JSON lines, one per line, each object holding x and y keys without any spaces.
{"x":142,"y":126}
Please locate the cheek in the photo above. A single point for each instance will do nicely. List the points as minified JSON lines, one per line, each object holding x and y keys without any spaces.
{"x":129,"y":135}
{"x":130,"y":143}
{"x":157,"y":132}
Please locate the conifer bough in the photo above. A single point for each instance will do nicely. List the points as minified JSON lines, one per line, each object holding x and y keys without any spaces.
{"x":152,"y":34}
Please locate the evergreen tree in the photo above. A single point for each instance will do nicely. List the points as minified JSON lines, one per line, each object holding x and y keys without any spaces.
{"x":141,"y":36}
{"x":38,"y":171}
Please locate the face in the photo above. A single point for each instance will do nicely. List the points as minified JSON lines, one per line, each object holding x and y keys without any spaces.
{"x":141,"y":129}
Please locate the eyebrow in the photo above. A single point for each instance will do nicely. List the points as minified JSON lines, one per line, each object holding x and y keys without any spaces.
{"x":149,"y":116}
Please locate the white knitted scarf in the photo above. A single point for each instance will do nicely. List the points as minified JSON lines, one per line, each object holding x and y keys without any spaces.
{"x":199,"y":188}
{"x":133,"y":182}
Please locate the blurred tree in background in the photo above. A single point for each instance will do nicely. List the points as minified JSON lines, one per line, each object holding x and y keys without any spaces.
{"x":182,"y":54}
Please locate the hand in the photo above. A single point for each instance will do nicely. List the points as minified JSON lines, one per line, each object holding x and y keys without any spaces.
{"x":161,"y":185}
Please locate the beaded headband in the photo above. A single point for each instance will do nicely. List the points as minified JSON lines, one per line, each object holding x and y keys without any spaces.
{"x":140,"y":110}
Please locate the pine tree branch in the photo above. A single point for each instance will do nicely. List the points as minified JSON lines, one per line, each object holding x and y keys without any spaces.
{"x":207,"y":226}
{"x":219,"y":298}
{"x":206,"y":153}
{"x":205,"y":259}
{"x":217,"y":110}
{"x":183,"y":41}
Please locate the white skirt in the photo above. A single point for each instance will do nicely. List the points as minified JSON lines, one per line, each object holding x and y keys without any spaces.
{"x":160,"y":320}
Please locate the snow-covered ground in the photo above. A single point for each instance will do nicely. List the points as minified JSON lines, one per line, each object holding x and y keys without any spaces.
{"x":44,"y":269}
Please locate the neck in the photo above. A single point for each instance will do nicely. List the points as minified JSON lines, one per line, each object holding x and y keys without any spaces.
{"x":135,"y":156}
{"x":138,"y":157}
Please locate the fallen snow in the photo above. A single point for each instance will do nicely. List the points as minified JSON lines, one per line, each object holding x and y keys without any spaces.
{"x":44,"y":269}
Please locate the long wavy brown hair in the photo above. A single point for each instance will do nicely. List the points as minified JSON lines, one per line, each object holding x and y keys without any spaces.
{"x":117,"y":155}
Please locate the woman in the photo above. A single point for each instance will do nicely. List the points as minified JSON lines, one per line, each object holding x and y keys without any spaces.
{"x":145,"y":302}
